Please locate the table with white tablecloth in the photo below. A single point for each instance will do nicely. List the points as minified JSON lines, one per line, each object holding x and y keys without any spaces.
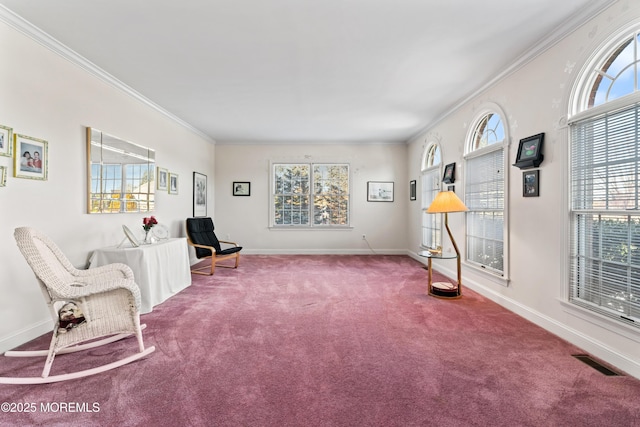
{"x":161,"y":269}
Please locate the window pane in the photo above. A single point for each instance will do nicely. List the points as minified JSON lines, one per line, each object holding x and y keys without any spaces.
{"x":485,"y":196}
{"x":431,"y":223}
{"x":293,"y":200}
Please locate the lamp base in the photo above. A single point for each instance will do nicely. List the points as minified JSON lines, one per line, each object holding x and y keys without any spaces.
{"x":444,"y":290}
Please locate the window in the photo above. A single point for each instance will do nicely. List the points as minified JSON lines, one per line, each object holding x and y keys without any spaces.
{"x":122,"y":187}
{"x":485,"y":194}
{"x":604,"y":186}
{"x":431,"y":181}
{"x":310,"y":194}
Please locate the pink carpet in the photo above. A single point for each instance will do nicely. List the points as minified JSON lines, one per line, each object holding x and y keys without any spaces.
{"x":329,"y":341}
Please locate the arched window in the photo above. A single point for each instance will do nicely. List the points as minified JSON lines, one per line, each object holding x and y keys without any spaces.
{"x":485,"y":183}
{"x":605,"y":183}
{"x":431,"y":168}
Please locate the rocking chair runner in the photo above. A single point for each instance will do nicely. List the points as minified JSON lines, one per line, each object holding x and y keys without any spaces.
{"x":201,"y":235}
{"x":107,"y":296}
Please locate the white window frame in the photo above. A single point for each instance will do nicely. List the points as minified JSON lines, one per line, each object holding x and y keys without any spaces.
{"x":471,"y":152}
{"x":431,"y":236}
{"x":310,"y":225}
{"x":597,"y":294}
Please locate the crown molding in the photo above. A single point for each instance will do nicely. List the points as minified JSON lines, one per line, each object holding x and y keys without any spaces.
{"x":23,"y":26}
{"x":567,"y":27}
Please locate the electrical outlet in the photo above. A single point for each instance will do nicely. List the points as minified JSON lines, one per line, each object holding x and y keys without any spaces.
{"x":364,"y":237}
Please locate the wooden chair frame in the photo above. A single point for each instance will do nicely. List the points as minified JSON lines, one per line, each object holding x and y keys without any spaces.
{"x":209,"y":270}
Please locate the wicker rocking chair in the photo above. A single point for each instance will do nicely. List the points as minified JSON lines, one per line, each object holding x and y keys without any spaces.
{"x":107,"y":296}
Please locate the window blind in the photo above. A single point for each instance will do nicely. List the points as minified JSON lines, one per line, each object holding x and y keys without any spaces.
{"x":605,"y":215}
{"x":431,"y":223}
{"x":484,"y":196}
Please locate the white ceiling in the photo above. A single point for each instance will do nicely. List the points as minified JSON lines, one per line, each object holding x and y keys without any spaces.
{"x":303,"y":70}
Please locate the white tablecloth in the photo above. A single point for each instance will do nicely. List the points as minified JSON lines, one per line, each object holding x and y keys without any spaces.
{"x":161,"y":270}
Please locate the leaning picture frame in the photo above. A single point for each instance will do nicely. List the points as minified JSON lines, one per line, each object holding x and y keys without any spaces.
{"x":162,"y":179}
{"x":379,"y":191}
{"x":6,"y":141}
{"x":531,"y":183}
{"x":530,"y":152}
{"x":30,"y":157}
{"x":241,"y":188}
{"x":199,"y":195}
{"x":173,"y":183}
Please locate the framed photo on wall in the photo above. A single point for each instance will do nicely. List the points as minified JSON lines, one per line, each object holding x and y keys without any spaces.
{"x":173,"y":183}
{"x":30,"y":157}
{"x":530,"y":152}
{"x":3,"y":176}
{"x":199,"y":194}
{"x":412,"y":190}
{"x":162,"y":179}
{"x":379,"y":191}
{"x":241,"y":188}
{"x":449,"y":176}
{"x":531,"y":183}
{"x":6,"y":141}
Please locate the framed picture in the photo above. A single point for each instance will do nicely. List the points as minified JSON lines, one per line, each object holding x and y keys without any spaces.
{"x":379,"y":191}
{"x":6,"y":141}
{"x":412,"y":190}
{"x":3,"y":176}
{"x":199,"y":194}
{"x":162,"y":179}
{"x":530,"y":152}
{"x":449,"y":176}
{"x":173,"y":183}
{"x":241,"y":188}
{"x":30,"y":157}
{"x":531,"y":183}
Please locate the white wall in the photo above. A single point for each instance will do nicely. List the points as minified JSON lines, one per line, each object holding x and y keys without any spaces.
{"x":45,"y":96}
{"x":246,"y":219}
{"x":535,"y":99}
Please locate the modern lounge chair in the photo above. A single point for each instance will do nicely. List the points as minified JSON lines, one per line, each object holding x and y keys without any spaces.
{"x":105,"y":304}
{"x":201,"y":235}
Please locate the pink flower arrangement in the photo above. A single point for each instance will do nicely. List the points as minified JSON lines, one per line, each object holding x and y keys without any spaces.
{"x":149,"y":222}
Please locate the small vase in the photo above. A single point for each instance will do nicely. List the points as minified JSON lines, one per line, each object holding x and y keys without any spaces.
{"x":147,"y":237}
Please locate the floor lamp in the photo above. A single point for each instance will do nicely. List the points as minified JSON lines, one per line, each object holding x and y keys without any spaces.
{"x":445,"y":202}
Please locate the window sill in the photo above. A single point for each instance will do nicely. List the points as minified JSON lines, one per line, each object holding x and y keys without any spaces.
{"x":604,"y":322}
{"x":490,"y":275}
{"x":308,"y":228}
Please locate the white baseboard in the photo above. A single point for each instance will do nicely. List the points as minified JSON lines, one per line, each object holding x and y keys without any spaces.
{"x":577,"y":338}
{"x":25,"y":335}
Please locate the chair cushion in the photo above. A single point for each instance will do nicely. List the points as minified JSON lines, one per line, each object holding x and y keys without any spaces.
{"x":229,"y":251}
{"x":201,"y":232}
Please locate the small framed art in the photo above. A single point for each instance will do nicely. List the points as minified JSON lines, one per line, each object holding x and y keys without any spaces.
{"x":6,"y":141}
{"x":531,"y":183}
{"x":173,"y":183}
{"x":379,"y":191}
{"x":449,"y":176}
{"x":412,"y":190}
{"x":30,"y":157}
{"x":199,"y":194}
{"x":162,"y":179}
{"x":241,"y":188}
{"x":3,"y":176}
{"x":530,"y":152}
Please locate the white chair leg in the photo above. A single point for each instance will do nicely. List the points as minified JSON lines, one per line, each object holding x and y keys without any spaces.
{"x":75,"y":375}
